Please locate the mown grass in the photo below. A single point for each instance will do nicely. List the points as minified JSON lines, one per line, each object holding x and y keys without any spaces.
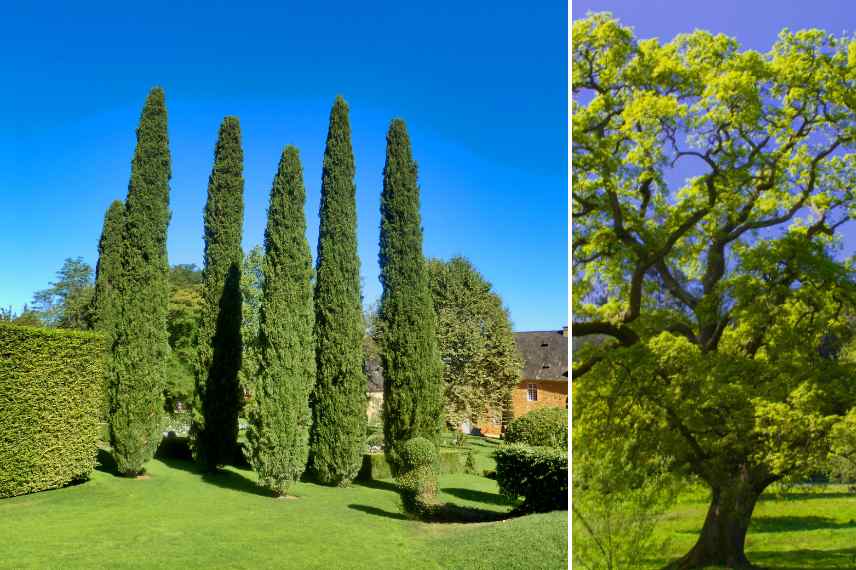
{"x":181,"y":517}
{"x":804,"y":528}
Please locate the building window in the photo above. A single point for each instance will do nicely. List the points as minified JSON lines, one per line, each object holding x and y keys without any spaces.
{"x":532,"y":392}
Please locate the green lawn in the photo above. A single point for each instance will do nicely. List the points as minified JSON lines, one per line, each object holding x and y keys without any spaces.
{"x":179,"y":517}
{"x":808,"y":528}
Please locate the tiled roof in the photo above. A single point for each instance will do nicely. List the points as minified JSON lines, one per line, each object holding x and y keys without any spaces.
{"x":545,"y":354}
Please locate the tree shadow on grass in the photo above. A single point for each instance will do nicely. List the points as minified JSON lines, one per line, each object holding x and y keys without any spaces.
{"x":805,"y":559}
{"x":793,"y":524}
{"x":478,"y":496}
{"x":378,"y":512}
{"x":225,"y":478}
{"x":377,"y":484}
{"x":803,"y":496}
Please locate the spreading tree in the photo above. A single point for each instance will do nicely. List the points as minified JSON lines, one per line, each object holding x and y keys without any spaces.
{"x":710,"y":186}
{"x":252,"y":282}
{"x":218,"y":395}
{"x":339,"y":398}
{"x":108,"y":271}
{"x":280,"y":417}
{"x":412,"y":370}
{"x":140,"y":350}
{"x":480,"y":357}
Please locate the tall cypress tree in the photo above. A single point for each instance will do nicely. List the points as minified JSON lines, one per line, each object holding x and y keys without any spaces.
{"x":339,"y":399}
{"x":109,"y":269}
{"x":412,"y":371}
{"x":140,"y":349}
{"x":218,"y":394}
{"x":279,"y":417}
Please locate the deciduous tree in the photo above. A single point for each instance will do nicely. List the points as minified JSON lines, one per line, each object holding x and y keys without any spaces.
{"x":710,"y":185}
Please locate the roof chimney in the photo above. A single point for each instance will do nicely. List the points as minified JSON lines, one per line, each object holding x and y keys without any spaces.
{"x":565,"y":330}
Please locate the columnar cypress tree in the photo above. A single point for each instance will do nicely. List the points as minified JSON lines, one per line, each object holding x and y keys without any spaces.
{"x":279,"y":417}
{"x":339,"y":399}
{"x":109,"y":269}
{"x":412,"y":371}
{"x":140,"y":349}
{"x":218,"y":393}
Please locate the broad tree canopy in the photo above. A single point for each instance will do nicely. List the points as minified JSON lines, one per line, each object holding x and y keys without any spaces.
{"x":710,"y":188}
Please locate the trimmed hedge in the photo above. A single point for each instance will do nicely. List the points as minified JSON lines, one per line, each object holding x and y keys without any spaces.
{"x":417,"y":481}
{"x":540,"y":427}
{"x":52,"y":398}
{"x":375,"y":466}
{"x":538,"y":474}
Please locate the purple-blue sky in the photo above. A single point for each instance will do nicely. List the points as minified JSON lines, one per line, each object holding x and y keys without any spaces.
{"x":755,"y":25}
{"x":482,"y":87}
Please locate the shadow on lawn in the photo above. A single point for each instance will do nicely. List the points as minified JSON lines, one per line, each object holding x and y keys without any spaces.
{"x":793,"y":524}
{"x":477,"y":496}
{"x":805,"y":559}
{"x":225,"y":478}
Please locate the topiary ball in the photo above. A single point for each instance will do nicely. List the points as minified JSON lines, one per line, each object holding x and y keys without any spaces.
{"x":418,"y":452}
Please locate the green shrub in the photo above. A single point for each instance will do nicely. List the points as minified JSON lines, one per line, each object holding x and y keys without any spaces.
{"x":538,"y":474}
{"x":376,"y":467}
{"x":542,"y":427}
{"x":52,"y":399}
{"x":417,"y":480}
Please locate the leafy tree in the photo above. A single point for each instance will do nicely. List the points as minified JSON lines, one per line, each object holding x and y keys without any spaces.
{"x":475,"y":340}
{"x":184,"y":314}
{"x":218,"y":395}
{"x":710,"y":185}
{"x":108,"y":272}
{"x":339,"y":398}
{"x":413,"y":389}
{"x":139,"y":353}
{"x":252,"y":284}
{"x":280,"y":418}
{"x":67,"y":303}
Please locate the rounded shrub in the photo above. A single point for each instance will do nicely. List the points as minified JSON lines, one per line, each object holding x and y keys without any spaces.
{"x":418,"y":452}
{"x":544,"y":427}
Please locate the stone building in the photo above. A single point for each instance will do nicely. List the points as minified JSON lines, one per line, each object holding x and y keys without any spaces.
{"x":544,"y":378}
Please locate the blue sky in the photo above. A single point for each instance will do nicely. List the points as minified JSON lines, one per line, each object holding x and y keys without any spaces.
{"x":482,"y":87}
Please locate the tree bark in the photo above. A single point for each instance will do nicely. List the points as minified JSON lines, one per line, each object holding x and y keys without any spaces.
{"x":723,"y":536}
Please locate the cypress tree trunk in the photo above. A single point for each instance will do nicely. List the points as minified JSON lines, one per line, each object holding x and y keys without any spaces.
{"x":139,"y":351}
{"x":218,"y":393}
{"x":109,"y":269}
{"x":723,"y":536}
{"x":280,"y":418}
{"x":339,"y":399}
{"x":412,"y":399}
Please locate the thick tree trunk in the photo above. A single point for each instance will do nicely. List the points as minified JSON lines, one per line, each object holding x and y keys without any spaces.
{"x":723,"y":536}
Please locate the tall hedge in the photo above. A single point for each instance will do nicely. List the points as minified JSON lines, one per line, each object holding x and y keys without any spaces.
{"x":139,"y":353}
{"x":51,"y":402}
{"x":412,"y":370}
{"x":278,"y":435}
{"x":218,"y":393}
{"x":339,"y":399}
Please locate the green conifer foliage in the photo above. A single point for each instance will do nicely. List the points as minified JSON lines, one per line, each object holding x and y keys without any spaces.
{"x":109,"y":269}
{"x":279,"y":418}
{"x":140,"y":349}
{"x":339,"y":399}
{"x":218,"y":394}
{"x":412,"y":370}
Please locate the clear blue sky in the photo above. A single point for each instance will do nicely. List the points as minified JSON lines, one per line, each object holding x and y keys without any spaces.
{"x":482,"y":87}
{"x":755,"y":25}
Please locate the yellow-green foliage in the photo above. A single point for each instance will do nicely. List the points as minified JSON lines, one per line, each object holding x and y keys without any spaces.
{"x":51,"y":397}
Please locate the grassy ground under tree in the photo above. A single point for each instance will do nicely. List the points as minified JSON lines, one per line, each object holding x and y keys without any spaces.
{"x":802,"y":528}
{"x":180,"y":517}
